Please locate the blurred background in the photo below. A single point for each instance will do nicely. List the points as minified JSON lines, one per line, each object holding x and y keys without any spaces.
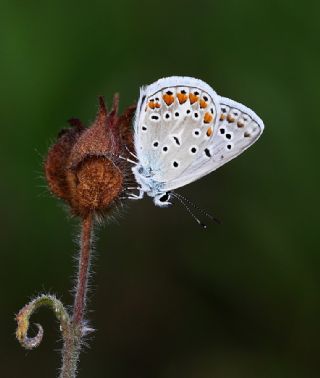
{"x":168,"y":300}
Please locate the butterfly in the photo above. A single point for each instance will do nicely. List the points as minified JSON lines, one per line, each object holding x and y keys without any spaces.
{"x":183,"y":130}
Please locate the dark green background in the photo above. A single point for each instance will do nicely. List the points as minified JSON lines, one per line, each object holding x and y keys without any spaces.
{"x":169,"y":300}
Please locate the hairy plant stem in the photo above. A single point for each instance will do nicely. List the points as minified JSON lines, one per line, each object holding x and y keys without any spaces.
{"x":73,"y":327}
{"x":72,"y":335}
{"x":84,"y":264}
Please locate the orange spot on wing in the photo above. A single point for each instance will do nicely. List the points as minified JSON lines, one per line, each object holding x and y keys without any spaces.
{"x":168,"y":99}
{"x":193,"y":98}
{"x":209,"y":131}
{"x":203,"y":104}
{"x":182,"y":98}
{"x":230,"y":118}
{"x":222,"y":117}
{"x":207,"y":118}
{"x":151,"y":104}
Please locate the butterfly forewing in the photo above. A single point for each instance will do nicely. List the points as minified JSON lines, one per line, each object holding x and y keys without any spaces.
{"x":174,"y":126}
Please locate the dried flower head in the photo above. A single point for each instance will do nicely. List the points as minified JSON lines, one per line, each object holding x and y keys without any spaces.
{"x":84,"y":167}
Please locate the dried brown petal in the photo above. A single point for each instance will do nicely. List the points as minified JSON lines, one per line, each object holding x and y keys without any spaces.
{"x":56,"y":162}
{"x":95,"y":183}
{"x":125,"y":127}
{"x":84,"y":167}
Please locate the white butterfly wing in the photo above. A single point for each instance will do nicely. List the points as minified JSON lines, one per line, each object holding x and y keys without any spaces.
{"x":170,"y":114}
{"x":183,"y":130}
{"x":236,"y":130}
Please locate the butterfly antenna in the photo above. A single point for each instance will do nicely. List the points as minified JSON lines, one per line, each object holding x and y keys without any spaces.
{"x":180,"y":199}
{"x":201,"y":211}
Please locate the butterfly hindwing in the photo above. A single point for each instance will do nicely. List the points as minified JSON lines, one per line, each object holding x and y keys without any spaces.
{"x":237,"y":128}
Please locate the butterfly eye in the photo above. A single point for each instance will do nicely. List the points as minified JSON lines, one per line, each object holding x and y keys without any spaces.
{"x":164,"y":198}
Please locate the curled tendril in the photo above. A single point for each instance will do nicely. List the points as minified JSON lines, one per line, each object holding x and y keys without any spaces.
{"x":25,"y":313}
{"x":31,"y":342}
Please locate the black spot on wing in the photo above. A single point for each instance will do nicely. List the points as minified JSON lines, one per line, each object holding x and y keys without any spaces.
{"x":207,"y":152}
{"x":142,"y":101}
{"x":176,"y":139}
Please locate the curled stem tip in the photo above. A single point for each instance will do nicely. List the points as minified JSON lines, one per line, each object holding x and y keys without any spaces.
{"x":23,"y":319}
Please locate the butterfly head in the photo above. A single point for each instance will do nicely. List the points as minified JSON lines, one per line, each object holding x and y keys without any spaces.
{"x":162,"y":199}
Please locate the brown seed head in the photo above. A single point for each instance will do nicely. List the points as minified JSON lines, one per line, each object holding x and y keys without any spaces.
{"x":83,"y":166}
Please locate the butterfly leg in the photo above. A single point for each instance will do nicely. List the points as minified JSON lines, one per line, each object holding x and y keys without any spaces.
{"x":133,"y":196}
{"x":127,"y":160}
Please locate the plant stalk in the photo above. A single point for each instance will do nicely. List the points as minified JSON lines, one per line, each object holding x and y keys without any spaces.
{"x":73,"y":335}
{"x":83,"y":272}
